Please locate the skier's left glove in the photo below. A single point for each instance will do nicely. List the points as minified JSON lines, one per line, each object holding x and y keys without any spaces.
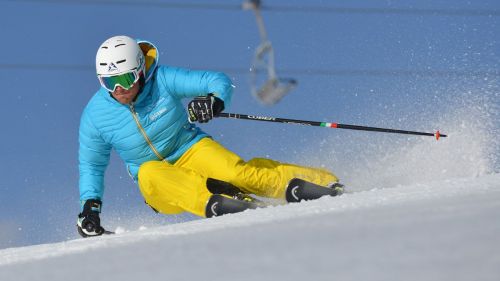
{"x":89,"y":223}
{"x":203,"y":109}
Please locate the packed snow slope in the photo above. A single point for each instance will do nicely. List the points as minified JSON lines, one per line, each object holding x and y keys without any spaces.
{"x":417,"y":209}
{"x":443,"y":230}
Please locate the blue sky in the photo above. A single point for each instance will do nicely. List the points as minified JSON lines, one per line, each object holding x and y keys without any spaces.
{"x":383,"y":63}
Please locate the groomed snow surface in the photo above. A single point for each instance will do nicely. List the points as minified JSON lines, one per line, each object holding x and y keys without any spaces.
{"x":445,"y":230}
{"x":417,"y":210}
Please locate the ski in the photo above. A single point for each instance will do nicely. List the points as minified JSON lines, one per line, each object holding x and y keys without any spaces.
{"x":107,"y":232}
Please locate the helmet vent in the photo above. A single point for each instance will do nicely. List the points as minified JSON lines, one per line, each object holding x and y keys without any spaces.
{"x":104,"y":47}
{"x":103,"y":63}
{"x":120,"y":61}
{"x":120,"y":45}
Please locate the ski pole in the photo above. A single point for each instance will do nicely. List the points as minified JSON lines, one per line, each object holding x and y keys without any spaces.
{"x":437,"y":134}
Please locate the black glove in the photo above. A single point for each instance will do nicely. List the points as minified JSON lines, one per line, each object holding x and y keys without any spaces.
{"x":203,"y":109}
{"x":89,"y":223}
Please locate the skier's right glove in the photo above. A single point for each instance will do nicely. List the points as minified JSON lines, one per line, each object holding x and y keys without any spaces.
{"x":89,"y":223}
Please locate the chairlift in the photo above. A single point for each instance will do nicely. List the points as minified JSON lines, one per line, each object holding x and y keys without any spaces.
{"x":273,"y":88}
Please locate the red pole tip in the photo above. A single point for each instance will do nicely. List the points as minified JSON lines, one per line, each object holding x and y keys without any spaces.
{"x":438,"y":135}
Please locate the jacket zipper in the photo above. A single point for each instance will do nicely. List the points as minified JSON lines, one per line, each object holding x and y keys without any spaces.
{"x":143,"y":132}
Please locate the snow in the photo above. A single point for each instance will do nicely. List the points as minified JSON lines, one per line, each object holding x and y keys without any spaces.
{"x":441,"y":230}
{"x":417,"y":209}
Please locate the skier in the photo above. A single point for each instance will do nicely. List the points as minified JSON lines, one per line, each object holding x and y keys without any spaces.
{"x":178,"y":167}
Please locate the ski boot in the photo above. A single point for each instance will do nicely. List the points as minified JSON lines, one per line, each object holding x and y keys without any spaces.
{"x":221,"y":187}
{"x":228,"y":199}
{"x":299,"y":190}
{"x":220,"y":204}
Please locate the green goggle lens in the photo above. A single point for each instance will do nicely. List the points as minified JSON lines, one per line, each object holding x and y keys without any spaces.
{"x":125,"y":80}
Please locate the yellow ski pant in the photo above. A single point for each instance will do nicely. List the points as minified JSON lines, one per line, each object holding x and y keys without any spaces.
{"x":172,"y":189}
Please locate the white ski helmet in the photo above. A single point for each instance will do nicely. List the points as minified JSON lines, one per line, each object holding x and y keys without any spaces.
{"x":119,"y":61}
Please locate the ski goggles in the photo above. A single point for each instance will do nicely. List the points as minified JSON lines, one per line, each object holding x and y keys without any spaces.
{"x":124,"y":80}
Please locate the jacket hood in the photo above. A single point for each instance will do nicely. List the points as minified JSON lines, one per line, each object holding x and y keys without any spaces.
{"x":151,"y":56}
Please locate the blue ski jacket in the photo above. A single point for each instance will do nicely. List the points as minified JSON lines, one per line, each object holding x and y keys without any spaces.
{"x":157,"y":112}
